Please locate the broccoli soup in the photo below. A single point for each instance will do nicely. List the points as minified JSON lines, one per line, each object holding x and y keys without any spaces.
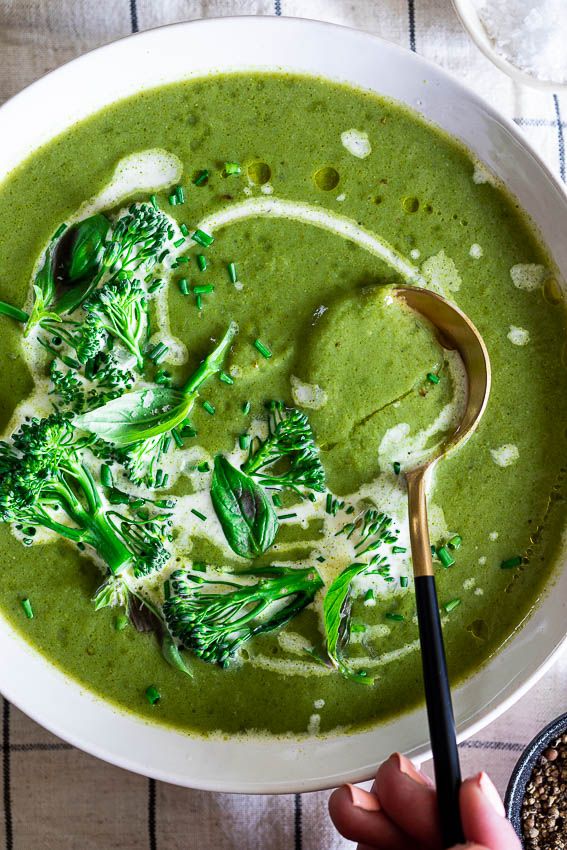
{"x":211,"y":393}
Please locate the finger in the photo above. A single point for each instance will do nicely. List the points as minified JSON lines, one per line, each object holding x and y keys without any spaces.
{"x":483,"y":815}
{"x":408,"y":798}
{"x":358,"y":816}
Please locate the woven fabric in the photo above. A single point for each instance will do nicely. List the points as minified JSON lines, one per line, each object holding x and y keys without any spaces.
{"x":53,"y":797}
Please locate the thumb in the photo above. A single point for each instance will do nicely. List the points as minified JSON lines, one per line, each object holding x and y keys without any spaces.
{"x":483,"y":815}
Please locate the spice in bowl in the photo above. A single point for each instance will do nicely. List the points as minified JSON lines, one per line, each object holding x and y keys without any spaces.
{"x":544,"y":808}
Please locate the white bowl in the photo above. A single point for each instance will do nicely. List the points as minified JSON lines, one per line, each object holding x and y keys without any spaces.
{"x":467,"y":11}
{"x":199,"y":48}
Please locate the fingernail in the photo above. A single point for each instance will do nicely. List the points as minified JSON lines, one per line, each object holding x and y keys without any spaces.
{"x":405,"y":766}
{"x":487,"y":788}
{"x":363,"y":799}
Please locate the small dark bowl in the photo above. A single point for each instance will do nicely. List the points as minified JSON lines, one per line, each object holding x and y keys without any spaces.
{"x":524,"y":767}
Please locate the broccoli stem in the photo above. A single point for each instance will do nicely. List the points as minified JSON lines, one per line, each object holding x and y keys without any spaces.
{"x":13,"y":312}
{"x":211,"y":364}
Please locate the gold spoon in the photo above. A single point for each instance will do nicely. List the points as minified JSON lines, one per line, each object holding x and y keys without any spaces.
{"x":456,"y":332}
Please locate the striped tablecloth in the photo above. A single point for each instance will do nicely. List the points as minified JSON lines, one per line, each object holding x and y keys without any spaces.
{"x":54,"y":797}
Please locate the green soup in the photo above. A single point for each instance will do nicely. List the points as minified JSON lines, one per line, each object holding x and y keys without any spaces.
{"x":323,"y":198}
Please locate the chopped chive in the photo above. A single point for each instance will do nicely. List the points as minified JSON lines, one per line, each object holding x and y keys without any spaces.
{"x":173,"y":200}
{"x":244,"y":443}
{"x":433,"y":378}
{"x":177,"y":437}
{"x":226,"y":378}
{"x":187,"y":430}
{"x":158,"y":352}
{"x":198,"y":301}
{"x":201,"y":262}
{"x":203,"y":289}
{"x":232,"y":272}
{"x":263,"y":349}
{"x":369,"y":595}
{"x":121,"y":622}
{"x":159,"y":477}
{"x":153,"y":696}
{"x":198,"y":514}
{"x":510,"y":563}
{"x":183,"y":285}
{"x":203,"y":467}
{"x":455,"y":541}
{"x":106,"y":476}
{"x":246,"y":408}
{"x":287,"y":516}
{"x":27,"y":608}
{"x":445,"y":557}
{"x":321,"y":559}
{"x":210,"y":408}
{"x":180,"y":192}
{"x":181,"y":260}
{"x":201,"y":177}
{"x":153,"y":202}
{"x":397,"y":467}
{"x":397,"y":550}
{"x":398,"y":618}
{"x":166,"y":442}
{"x":404,"y":581}
{"x":157,"y":284}
{"x":276,"y":500}
{"x":199,"y":567}
{"x":179,"y":242}
{"x":450,"y":606}
{"x":232,"y":168}
{"x":329,"y":503}
{"x":202,"y":238}
{"x":184,"y":229}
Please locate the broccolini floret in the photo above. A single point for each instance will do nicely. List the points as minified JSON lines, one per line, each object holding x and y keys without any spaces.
{"x":119,"y":309}
{"x":290,"y":437}
{"x":43,"y":477}
{"x":137,"y":238}
{"x":215,"y":625}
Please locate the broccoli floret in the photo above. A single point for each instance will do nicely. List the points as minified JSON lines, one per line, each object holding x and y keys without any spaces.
{"x":290,"y":437}
{"x":41,"y":473}
{"x":214,"y":624}
{"x":67,"y":386}
{"x":120,"y":309}
{"x":137,"y":238}
{"x":141,"y":460}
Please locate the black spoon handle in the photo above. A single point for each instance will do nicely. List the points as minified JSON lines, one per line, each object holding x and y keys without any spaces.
{"x":435,"y":678}
{"x":439,"y":711}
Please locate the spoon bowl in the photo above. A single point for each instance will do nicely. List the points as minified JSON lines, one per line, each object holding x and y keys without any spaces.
{"x":455,"y":332}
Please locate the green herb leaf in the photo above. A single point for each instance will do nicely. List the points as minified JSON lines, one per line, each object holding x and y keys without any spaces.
{"x":83,"y":247}
{"x":244,"y":510}
{"x":173,"y":656}
{"x":137,"y":415}
{"x":337,"y":607}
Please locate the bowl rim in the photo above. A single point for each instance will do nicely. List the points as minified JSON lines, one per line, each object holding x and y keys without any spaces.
{"x":484,"y":715}
{"x":522,"y":772}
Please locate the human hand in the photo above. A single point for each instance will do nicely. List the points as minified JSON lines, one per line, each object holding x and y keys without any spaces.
{"x":400,"y":812}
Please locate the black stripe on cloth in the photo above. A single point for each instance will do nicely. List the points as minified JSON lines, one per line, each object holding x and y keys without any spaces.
{"x":535,"y":122}
{"x":9,"y":831}
{"x":36,"y":748}
{"x":411,"y":18}
{"x":297,"y":822}
{"x":507,"y":746}
{"x":278,"y":7}
{"x":152,"y":835}
{"x":560,"y":137}
{"x":134,"y":15}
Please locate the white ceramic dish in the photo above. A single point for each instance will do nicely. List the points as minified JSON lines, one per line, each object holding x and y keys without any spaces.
{"x":467,"y":11}
{"x":198,"y":48}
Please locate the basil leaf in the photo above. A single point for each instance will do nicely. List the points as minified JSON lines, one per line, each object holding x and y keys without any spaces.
{"x":337,"y":606}
{"x":137,"y":415}
{"x":244,"y":510}
{"x":84,"y":243}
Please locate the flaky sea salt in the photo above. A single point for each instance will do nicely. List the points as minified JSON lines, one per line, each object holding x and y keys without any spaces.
{"x":530,"y":34}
